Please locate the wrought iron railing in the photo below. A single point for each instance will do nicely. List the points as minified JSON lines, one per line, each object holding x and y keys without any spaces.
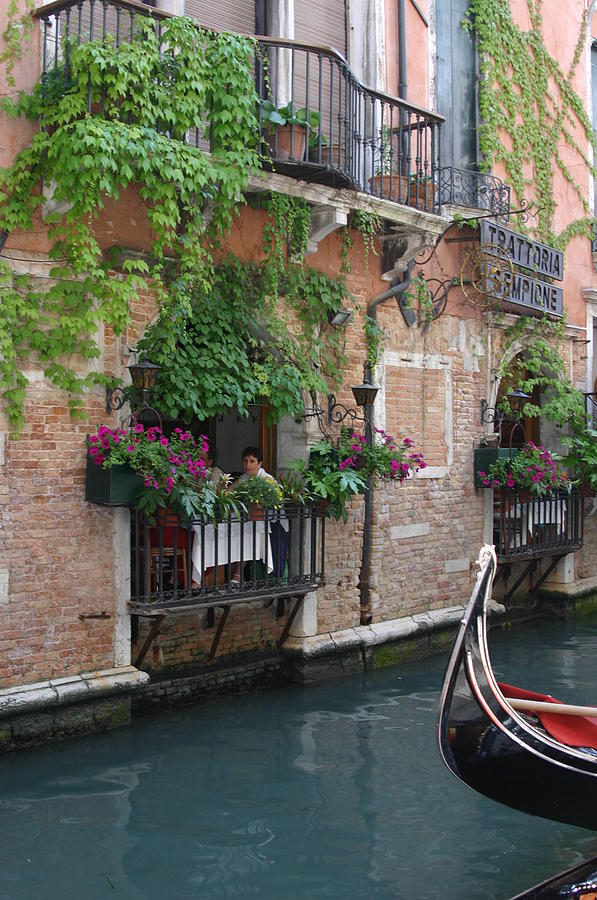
{"x":591,"y":408}
{"x":359,"y":137}
{"x":474,"y":190}
{"x":274,"y":554}
{"x":527,"y":527}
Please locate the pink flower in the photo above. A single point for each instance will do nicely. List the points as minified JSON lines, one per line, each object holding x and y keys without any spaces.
{"x":131,"y":448}
{"x":164,"y":441}
{"x":93,"y":439}
{"x":139,"y":428}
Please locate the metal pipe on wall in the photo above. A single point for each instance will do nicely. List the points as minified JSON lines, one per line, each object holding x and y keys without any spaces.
{"x":397,"y":289}
{"x":402,"y":70}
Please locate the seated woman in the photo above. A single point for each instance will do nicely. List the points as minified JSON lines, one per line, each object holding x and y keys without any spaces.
{"x":252,"y":460}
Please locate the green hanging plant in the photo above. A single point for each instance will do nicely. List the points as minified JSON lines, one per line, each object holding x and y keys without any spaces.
{"x":419,"y":296}
{"x":540,"y":367}
{"x":151,"y":98}
{"x":368,"y":224}
{"x":374,"y":341}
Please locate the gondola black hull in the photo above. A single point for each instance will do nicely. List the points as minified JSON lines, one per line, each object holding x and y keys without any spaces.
{"x":491,"y":748}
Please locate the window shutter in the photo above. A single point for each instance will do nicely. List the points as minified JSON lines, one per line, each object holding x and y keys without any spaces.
{"x":228,"y":15}
{"x":321,"y":23}
{"x":456,"y":85}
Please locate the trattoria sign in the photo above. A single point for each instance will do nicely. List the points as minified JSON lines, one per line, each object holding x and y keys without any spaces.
{"x":519,"y":288}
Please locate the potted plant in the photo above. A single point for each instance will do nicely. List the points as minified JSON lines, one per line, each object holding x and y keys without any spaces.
{"x":389,"y":182}
{"x":169,"y":472}
{"x":484,"y":457}
{"x":582,"y":457}
{"x":286,"y":129}
{"x":532,"y":472}
{"x":387,"y":459}
{"x":295,"y":492}
{"x":330,"y":486}
{"x":257,"y":493}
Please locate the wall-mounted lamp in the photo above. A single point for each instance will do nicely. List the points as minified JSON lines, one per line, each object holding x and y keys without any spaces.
{"x":340,"y":316}
{"x":143,"y":376}
{"x":364,"y":396}
{"x":516,"y":399}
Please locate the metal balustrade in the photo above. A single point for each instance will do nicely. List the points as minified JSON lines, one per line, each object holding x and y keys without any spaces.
{"x":474,"y":190}
{"x":359,"y":138}
{"x":526,"y":528}
{"x":233,"y":560}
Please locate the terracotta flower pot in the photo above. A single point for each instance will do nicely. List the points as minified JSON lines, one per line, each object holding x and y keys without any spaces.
{"x":288,"y":142}
{"x":256,"y":512}
{"x":401,"y":189}
{"x":321,"y":508}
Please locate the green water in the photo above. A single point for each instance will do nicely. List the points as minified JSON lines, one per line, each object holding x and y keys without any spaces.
{"x":332,"y":791}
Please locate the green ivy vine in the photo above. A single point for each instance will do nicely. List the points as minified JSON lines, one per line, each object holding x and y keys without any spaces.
{"x":529,"y":109}
{"x":418,"y":294}
{"x":147,"y":94}
{"x":374,"y":341}
{"x":540,"y":367}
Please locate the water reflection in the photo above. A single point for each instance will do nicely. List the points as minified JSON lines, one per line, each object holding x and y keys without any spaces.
{"x":333,"y":791}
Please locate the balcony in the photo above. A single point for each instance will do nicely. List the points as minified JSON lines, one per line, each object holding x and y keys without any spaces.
{"x":474,"y":190}
{"x":235,"y":560}
{"x":275,"y":556}
{"x":539,"y":526}
{"x":359,"y":138}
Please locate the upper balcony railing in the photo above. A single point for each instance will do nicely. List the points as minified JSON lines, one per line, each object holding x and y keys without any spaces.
{"x":474,"y":190}
{"x":357,"y":137}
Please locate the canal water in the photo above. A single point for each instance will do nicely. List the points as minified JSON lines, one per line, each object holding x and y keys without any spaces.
{"x":332,"y":791}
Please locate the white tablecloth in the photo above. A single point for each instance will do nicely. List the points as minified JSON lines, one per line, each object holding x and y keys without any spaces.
{"x":234,"y":546}
{"x":543,"y":512}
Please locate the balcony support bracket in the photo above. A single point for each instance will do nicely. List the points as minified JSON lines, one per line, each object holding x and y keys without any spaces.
{"x":324,"y":220}
{"x":291,"y":617}
{"x":398,"y":248}
{"x":218,"y":634}
{"x":153,"y":633}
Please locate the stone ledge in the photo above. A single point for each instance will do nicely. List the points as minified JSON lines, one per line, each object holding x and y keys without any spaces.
{"x":55,"y":692}
{"x":364,"y":636}
{"x":578,"y":588}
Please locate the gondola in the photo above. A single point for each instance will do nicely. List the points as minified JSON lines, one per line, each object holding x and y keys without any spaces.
{"x":500,"y":740}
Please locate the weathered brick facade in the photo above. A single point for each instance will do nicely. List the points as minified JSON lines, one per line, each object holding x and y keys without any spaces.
{"x":63,"y":572}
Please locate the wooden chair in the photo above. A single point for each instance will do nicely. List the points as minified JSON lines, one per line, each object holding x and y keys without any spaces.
{"x":170,"y":525}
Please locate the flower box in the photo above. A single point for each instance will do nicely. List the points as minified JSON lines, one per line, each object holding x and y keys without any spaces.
{"x":485,"y":456}
{"x":118,"y":486}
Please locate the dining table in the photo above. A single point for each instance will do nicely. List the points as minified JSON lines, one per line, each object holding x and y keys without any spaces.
{"x":228,"y":542}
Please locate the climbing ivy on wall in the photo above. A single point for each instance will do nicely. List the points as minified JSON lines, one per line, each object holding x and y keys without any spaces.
{"x":147,"y":99}
{"x":233,"y":347}
{"x":540,"y":367}
{"x":529,"y":109}
{"x":218,"y":324}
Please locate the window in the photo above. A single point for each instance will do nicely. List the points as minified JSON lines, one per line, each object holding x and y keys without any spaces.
{"x":456,"y":79}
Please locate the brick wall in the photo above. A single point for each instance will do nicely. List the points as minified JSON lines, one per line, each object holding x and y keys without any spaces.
{"x":57,"y":550}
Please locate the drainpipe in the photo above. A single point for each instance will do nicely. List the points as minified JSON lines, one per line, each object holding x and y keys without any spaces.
{"x":397,"y":289}
{"x":402,"y":73}
{"x":3,"y":238}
